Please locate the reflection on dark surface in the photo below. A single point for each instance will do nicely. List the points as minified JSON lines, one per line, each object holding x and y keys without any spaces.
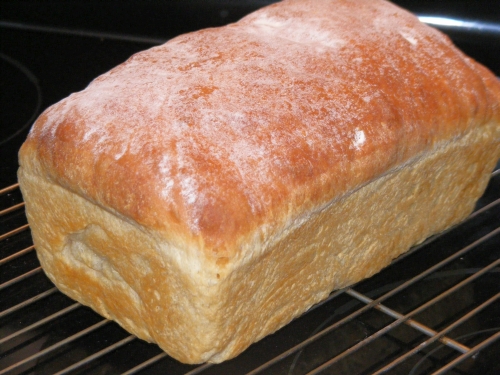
{"x":21,"y":94}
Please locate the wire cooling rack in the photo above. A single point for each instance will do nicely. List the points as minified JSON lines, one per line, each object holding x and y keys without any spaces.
{"x":436,"y":309}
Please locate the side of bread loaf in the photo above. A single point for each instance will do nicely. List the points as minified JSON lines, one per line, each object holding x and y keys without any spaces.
{"x":207,"y":191}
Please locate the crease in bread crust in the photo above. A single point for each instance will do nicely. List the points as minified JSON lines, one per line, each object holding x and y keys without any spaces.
{"x":198,"y":310}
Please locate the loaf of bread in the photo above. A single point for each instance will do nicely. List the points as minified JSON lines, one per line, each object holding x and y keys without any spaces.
{"x":209,"y":190}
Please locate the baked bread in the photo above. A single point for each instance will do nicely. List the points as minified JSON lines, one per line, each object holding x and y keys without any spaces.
{"x":209,"y":190}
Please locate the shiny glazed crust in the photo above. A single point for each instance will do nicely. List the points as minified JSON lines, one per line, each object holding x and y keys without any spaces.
{"x":207,"y":191}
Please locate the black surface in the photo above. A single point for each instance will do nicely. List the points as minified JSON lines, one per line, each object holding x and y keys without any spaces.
{"x":168,"y":18}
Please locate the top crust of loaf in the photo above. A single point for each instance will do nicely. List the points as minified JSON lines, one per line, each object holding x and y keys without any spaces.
{"x":230,"y":135}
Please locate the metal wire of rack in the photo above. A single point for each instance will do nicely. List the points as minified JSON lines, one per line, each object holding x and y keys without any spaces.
{"x":434,"y":310}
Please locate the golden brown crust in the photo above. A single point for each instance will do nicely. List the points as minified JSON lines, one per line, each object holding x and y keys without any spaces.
{"x":219,"y":132}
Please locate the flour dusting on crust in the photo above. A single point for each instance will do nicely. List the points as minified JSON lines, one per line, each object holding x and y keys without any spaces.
{"x":230,"y":125}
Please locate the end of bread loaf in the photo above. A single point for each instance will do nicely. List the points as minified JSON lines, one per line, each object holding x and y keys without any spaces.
{"x":209,"y":190}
